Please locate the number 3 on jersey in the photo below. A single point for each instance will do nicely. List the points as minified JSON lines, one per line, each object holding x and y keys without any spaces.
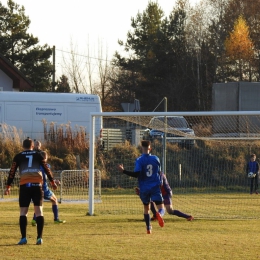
{"x":149,"y":171}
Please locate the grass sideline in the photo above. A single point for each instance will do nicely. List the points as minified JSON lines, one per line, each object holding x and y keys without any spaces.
{"x":124,"y":237}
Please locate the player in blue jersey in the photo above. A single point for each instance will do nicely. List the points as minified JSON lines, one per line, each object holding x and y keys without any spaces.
{"x":48,"y":194}
{"x":253,"y":166}
{"x":167,"y":200}
{"x":147,"y":170}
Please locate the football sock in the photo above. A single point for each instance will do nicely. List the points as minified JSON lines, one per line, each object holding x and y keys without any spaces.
{"x":23,"y":225}
{"x":55,"y":211}
{"x":34,"y":216}
{"x":153,"y":208}
{"x":40,"y":224}
{"x":161,"y":211}
{"x":147,"y":220}
{"x":180,"y":214}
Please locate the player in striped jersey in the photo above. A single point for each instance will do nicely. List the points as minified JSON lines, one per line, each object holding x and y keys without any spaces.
{"x":29,"y":163}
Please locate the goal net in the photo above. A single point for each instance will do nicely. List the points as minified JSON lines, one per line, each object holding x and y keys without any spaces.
{"x":74,"y":186}
{"x":204,"y":156}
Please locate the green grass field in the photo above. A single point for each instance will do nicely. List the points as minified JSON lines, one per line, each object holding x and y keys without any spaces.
{"x":124,"y":236}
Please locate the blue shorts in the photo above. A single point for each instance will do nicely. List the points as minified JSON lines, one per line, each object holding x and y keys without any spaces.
{"x":153,"y":194}
{"x":47,"y":194}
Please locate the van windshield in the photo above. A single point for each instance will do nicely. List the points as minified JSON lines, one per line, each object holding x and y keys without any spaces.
{"x":176,"y":122}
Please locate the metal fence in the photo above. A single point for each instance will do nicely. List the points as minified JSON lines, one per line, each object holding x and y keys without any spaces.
{"x":113,"y":136}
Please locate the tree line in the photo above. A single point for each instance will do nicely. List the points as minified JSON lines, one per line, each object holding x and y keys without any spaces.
{"x":178,"y":56}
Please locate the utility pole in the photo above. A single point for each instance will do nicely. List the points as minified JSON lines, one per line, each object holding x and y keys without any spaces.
{"x":53,"y":84}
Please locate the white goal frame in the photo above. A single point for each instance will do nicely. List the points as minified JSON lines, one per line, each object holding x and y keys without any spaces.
{"x":127,"y":114}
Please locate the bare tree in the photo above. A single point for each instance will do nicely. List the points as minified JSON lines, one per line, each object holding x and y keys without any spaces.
{"x":104,"y":70}
{"x":87,"y":73}
{"x":74,"y":69}
{"x":90,"y":68}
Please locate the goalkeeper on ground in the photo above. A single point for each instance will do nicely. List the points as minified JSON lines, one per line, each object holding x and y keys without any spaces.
{"x":167,"y":197}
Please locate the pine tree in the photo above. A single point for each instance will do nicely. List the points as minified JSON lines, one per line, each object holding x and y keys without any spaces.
{"x":159,"y":62}
{"x":63,"y":85}
{"x":22,"y":48}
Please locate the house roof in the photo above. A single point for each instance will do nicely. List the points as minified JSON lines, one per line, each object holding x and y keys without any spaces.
{"x":19,"y":79}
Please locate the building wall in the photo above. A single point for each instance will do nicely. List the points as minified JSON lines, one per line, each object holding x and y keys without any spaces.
{"x":236,"y":96}
{"x":225,"y":96}
{"x":6,"y":83}
{"x":249,"y":96}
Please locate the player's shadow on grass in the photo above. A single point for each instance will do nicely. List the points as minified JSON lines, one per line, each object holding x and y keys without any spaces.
{"x":135,"y":220}
{"x":18,"y":245}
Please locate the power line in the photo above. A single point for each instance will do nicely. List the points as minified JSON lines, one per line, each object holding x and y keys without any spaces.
{"x":85,"y":56}
{"x":62,"y":58}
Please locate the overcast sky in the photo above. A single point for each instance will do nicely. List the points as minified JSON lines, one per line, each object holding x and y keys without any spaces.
{"x":62,"y":22}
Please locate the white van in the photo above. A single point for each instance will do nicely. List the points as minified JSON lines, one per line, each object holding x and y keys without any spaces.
{"x":27,"y":110}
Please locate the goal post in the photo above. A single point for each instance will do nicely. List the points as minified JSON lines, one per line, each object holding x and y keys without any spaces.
{"x":91,"y":163}
{"x":212,"y":126}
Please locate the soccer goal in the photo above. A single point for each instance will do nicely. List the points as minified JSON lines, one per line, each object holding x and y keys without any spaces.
{"x":15,"y":186}
{"x":74,"y":186}
{"x":203,"y":154}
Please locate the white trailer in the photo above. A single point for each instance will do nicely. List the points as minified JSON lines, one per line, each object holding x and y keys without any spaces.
{"x":27,"y":110}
